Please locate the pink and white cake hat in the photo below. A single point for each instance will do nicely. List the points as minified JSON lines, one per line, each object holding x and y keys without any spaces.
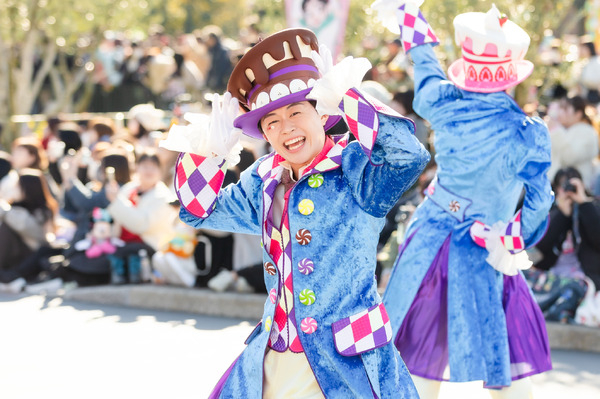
{"x":493,"y":49}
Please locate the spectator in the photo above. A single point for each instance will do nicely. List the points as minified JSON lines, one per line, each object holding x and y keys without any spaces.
{"x":84,"y":199}
{"x":141,"y":209}
{"x":27,"y":152}
{"x":9,"y":178}
{"x":220,"y":67}
{"x":570,"y":250}
{"x":574,"y":140}
{"x":571,"y":246}
{"x":25,"y":225}
{"x":143,"y":119}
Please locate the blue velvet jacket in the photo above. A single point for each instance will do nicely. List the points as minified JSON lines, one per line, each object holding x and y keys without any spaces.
{"x":487,"y":151}
{"x":349,"y":211}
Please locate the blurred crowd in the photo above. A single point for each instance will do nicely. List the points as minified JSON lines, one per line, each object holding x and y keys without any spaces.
{"x":92,"y":202}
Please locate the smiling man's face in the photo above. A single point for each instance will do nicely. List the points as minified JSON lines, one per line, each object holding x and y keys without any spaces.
{"x":296,"y":132}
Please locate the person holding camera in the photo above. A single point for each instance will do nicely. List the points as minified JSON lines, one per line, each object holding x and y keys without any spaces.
{"x":571,"y":247}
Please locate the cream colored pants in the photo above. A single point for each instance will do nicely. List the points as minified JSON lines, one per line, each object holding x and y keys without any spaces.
{"x":288,"y":375}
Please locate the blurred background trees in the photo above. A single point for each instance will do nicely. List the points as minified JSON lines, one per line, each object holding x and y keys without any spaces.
{"x":49,"y":47}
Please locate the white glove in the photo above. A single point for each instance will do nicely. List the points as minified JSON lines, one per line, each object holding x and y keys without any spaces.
{"x":499,"y":257}
{"x":386,"y":12}
{"x":335,"y":80}
{"x":211,"y":136}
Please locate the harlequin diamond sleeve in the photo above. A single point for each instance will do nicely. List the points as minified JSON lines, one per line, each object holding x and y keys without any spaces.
{"x":414,"y":28}
{"x":197,"y":182}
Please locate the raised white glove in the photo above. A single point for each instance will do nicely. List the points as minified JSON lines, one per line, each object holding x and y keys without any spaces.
{"x":335,"y":80}
{"x":386,"y":12}
{"x":211,"y":136}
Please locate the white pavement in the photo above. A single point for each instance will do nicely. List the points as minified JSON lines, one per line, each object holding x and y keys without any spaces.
{"x":64,"y":349}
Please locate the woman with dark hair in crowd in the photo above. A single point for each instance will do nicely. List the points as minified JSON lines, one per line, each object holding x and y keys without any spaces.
{"x":24,"y":226}
{"x":575,"y":141}
{"x":85,"y":198}
{"x":27,"y":152}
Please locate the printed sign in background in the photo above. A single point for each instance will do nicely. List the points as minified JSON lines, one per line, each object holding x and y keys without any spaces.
{"x":327,"y":18}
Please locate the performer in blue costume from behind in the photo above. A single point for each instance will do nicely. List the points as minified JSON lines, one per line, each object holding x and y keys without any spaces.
{"x":319,"y":204}
{"x":459,"y":306}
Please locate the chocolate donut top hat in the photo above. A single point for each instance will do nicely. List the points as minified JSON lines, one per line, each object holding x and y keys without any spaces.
{"x":276,"y":72}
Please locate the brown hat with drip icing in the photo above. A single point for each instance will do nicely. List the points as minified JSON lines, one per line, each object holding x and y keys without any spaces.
{"x":276,"y":72}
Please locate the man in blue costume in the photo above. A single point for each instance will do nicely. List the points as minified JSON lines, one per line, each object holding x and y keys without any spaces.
{"x":318,"y":203}
{"x":459,"y":306}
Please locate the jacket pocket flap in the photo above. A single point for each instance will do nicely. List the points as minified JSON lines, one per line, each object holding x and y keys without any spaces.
{"x":362,"y":332}
{"x":254,"y":333}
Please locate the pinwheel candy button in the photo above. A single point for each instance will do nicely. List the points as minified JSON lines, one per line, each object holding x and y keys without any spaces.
{"x":315,"y":181}
{"x":303,"y":236}
{"x":308,"y":325}
{"x":307,"y":297}
{"x":306,"y":266}
{"x":270,"y":268}
{"x":306,"y":207}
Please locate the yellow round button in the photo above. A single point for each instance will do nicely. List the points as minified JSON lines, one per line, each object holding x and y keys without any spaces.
{"x":306,"y":207}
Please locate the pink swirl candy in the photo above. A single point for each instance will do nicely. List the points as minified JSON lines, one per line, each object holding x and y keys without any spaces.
{"x":273,"y":295}
{"x":308,"y":325}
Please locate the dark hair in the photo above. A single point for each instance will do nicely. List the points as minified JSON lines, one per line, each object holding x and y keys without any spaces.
{"x":591,"y":48}
{"x":5,"y":165}
{"x":579,"y":104}
{"x":34,"y":147}
{"x":306,"y":1}
{"x":36,"y":194}
{"x":406,"y":99}
{"x":149,"y":156}
{"x":564,"y":174}
{"x":121,"y":165}
{"x":103,"y":129}
{"x":68,"y":133}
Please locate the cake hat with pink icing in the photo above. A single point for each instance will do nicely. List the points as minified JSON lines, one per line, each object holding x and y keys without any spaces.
{"x":493,"y":49}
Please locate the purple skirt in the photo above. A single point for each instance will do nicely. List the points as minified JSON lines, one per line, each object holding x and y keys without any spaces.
{"x":423,"y":336}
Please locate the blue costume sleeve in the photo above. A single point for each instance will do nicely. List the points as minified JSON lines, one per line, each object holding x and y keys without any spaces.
{"x":237,"y":207}
{"x":532,"y":163}
{"x":431,"y":85}
{"x":398,"y":158}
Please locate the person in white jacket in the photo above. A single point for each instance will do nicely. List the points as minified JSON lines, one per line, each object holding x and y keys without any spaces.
{"x":141,"y":209}
{"x":574,"y":140}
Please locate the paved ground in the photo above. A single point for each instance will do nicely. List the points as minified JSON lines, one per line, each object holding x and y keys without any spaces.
{"x":53,"y":348}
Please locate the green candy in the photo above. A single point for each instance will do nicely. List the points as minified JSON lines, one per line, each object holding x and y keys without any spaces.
{"x":315,"y":181}
{"x":307,"y":297}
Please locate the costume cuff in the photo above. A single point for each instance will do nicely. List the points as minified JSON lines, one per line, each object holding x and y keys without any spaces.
{"x":198,"y":181}
{"x":414,"y":28}
{"x":361,"y":113}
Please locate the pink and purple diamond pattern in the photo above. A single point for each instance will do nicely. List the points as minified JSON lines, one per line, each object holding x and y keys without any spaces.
{"x":361,"y":118}
{"x":363,"y":331}
{"x":197,"y":183}
{"x":414,"y":28}
{"x":513,"y":239}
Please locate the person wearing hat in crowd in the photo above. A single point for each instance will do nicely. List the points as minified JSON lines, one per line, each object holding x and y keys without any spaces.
{"x":318,"y":203}
{"x":142,"y":120}
{"x":460,"y":308}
